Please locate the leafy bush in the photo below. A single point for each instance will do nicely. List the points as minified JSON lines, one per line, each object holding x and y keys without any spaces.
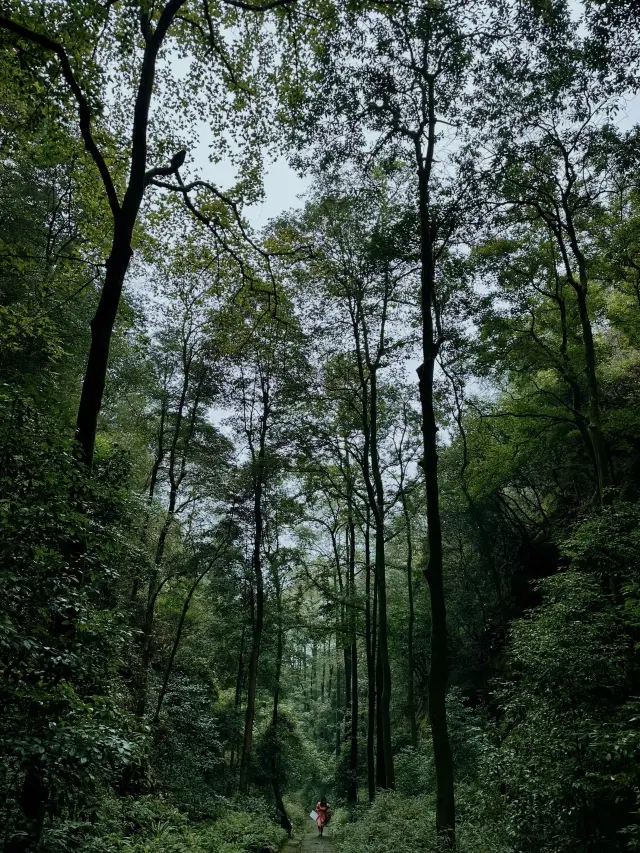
{"x":415,"y":773}
{"x":149,"y":825}
{"x":567,"y":765}
{"x":393,"y":823}
{"x":298,"y":815}
{"x":240,"y":832}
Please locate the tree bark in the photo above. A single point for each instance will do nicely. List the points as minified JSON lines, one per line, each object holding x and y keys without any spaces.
{"x":239,"y":682}
{"x":439,"y":667}
{"x":275,"y":763}
{"x":339,"y":713}
{"x":580,"y":286}
{"x":101,"y":331}
{"x":381,"y":770}
{"x":352,"y":787}
{"x":411,"y":706}
{"x":367,"y":368}
{"x":370,"y":627}
{"x":595,"y":418}
{"x":380,"y":563}
{"x":258,"y":623}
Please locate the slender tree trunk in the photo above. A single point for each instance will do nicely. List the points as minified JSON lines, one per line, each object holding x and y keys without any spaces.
{"x":595,"y":418}
{"x":375,"y":492}
{"x":384,"y":671}
{"x":566,"y":372}
{"x":239,"y":682}
{"x":275,"y":758}
{"x":343,"y":628}
{"x":352,"y":792}
{"x":380,"y":558}
{"x":258,"y":466}
{"x":370,"y":628}
{"x":581,"y":287}
{"x":439,"y":665}
{"x":252,"y":679}
{"x":411,"y":707}
{"x":339,"y":712}
{"x":346,"y":662}
{"x":381,"y":770}
{"x":176,"y":644}
{"x":153,"y":481}
{"x":240,"y":675}
{"x":177,"y":468}
{"x":439,"y":669}
{"x":352,"y":788}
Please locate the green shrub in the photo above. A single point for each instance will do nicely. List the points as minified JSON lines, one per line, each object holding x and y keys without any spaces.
{"x":394,"y":824}
{"x":298,"y":815}
{"x":241,"y":832}
{"x":414,"y":770}
{"x":149,"y":825}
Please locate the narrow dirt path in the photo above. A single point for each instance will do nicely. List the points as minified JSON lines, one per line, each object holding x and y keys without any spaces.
{"x":310,"y":842}
{"x":313,"y":843}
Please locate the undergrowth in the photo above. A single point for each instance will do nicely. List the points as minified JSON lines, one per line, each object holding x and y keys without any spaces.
{"x":148,"y":825}
{"x":396,"y":823}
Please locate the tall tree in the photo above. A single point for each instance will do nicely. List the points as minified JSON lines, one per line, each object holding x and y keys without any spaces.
{"x":137,"y":35}
{"x":393,"y":86}
{"x":265,"y":389}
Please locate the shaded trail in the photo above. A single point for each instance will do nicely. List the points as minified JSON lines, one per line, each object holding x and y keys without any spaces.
{"x":313,"y":843}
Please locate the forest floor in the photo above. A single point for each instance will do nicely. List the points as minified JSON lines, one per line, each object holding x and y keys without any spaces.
{"x":314,"y":843}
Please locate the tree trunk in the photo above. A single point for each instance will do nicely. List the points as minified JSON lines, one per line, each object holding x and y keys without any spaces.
{"x":411,"y":707}
{"x":33,"y":805}
{"x":371,"y":470}
{"x":338,"y":708}
{"x":176,"y":473}
{"x":370,"y":628}
{"x":153,"y":481}
{"x":176,"y":644}
{"x":595,"y":419}
{"x":252,"y":680}
{"x":124,"y":220}
{"x":285,"y":823}
{"x":581,"y":287}
{"x":352,"y":787}
{"x":380,"y":562}
{"x":439,"y":668}
{"x":101,"y":331}
{"x":381,"y":770}
{"x":258,"y":623}
{"x":239,"y":683}
{"x":566,"y":372}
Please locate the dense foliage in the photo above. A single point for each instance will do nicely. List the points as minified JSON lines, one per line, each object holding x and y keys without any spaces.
{"x":344,"y":504}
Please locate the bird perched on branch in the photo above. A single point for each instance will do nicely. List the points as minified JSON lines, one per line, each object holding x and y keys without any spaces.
{"x":164,"y":171}
{"x":177,"y":160}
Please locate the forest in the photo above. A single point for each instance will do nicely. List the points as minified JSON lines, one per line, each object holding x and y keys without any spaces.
{"x":338,"y":500}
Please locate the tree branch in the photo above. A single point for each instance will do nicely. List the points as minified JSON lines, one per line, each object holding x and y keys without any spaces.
{"x":83,"y":105}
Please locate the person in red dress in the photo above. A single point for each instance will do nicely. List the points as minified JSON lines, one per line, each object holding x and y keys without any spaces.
{"x":323,"y":809}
